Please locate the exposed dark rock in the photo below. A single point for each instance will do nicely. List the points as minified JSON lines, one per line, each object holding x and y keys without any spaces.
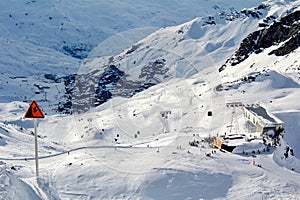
{"x":79,"y":51}
{"x":269,"y":19}
{"x":287,"y":47}
{"x":209,"y":21}
{"x":152,"y":69}
{"x":263,"y":25}
{"x":110,"y":75}
{"x":83,"y":91}
{"x":286,"y":31}
{"x":133,"y":48}
{"x":50,"y":76}
{"x":251,"y":13}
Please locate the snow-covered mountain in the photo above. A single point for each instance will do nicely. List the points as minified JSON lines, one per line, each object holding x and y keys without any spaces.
{"x":163,"y":55}
{"x":148,"y":100}
{"x":76,"y":27}
{"x":42,"y":39}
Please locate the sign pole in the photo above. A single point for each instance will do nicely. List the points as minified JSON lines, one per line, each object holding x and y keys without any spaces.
{"x":35,"y":112}
{"x":36,"y":148}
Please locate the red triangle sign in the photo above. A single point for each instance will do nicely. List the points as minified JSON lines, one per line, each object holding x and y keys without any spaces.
{"x":34,"y":111}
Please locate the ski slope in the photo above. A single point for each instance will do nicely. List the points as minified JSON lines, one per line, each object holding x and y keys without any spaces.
{"x":120,"y":149}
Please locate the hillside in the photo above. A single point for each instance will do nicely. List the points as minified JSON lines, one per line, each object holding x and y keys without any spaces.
{"x":136,"y":121}
{"x":42,"y":39}
{"x":172,"y":52}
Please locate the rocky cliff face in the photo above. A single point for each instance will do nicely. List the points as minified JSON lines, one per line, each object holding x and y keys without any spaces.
{"x":284,"y":33}
{"x":83,"y":91}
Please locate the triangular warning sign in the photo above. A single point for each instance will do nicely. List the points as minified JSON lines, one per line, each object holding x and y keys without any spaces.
{"x":34,"y":111}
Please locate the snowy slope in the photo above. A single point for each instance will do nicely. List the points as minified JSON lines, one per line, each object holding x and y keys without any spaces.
{"x":150,"y":165}
{"x":172,"y":52}
{"x":51,"y":37}
{"x":180,"y":45}
{"x":14,"y":188}
{"x":119,"y":150}
{"x":66,"y":24}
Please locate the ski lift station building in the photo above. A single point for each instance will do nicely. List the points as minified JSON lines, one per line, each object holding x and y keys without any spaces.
{"x":262,"y":120}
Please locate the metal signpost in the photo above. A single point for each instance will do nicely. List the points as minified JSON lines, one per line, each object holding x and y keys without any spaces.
{"x":35,"y":112}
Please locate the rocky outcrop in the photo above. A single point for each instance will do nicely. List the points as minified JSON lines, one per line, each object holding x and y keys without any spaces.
{"x":284,"y":33}
{"x":79,"y":51}
{"x":292,"y":44}
{"x":83,"y":91}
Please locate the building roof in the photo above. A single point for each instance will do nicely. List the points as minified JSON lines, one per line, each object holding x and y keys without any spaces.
{"x":262,"y":113}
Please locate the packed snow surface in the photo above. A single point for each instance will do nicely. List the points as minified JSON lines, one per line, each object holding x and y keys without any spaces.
{"x":127,"y":148}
